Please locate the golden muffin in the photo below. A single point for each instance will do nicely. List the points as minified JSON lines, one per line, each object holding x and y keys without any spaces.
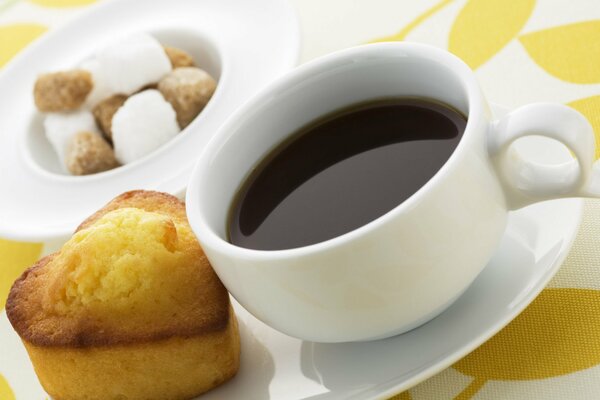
{"x":129,"y":308}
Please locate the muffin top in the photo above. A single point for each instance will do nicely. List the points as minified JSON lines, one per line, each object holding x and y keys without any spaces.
{"x":133,"y":272}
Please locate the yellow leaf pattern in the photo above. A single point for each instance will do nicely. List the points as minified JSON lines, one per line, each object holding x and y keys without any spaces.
{"x":6,"y":392}
{"x":15,"y":37}
{"x":590,"y":107}
{"x":62,"y":3}
{"x":484,"y":27}
{"x":416,"y":22}
{"x":569,"y":52}
{"x":402,"y":396}
{"x":556,"y":335}
{"x":14,"y":258}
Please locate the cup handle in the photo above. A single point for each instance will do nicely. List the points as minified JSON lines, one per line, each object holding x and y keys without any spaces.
{"x":526,"y":182}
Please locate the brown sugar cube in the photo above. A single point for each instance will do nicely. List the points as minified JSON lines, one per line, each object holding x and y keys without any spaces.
{"x":178,"y":57}
{"x":104,"y":111}
{"x":188,"y":89}
{"x":149,"y":87}
{"x":62,"y":91}
{"x":88,"y":153}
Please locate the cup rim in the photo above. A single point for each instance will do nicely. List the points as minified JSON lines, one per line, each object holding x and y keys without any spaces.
{"x":210,"y":239}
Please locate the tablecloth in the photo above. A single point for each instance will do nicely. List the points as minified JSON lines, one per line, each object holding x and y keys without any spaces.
{"x":522,"y":51}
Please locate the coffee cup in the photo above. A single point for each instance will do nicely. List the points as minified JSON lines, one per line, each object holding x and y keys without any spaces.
{"x":407,"y":266}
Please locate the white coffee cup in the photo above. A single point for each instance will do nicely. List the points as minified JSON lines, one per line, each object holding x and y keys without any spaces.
{"x":407,"y":266}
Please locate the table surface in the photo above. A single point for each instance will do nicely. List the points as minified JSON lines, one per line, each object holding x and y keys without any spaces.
{"x":522,"y":51}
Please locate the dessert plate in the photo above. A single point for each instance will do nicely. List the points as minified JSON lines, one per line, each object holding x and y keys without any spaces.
{"x":242,"y":44}
{"x":276,"y":366}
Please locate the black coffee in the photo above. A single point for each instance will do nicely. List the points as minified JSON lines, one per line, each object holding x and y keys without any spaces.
{"x":343,"y":171}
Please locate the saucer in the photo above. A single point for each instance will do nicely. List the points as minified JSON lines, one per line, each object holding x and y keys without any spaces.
{"x":276,"y":366}
{"x":243,"y":44}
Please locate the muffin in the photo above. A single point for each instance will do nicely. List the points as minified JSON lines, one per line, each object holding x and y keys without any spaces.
{"x":129,"y":308}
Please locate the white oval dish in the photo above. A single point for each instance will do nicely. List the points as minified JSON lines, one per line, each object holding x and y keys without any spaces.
{"x":242,"y":44}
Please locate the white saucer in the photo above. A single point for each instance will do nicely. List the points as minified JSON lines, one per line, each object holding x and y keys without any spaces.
{"x":276,"y":366}
{"x":244,"y":44}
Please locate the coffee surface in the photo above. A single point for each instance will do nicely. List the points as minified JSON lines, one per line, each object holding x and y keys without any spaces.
{"x":342,"y":172}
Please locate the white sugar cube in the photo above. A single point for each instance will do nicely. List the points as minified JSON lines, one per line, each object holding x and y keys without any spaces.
{"x":61,"y":127}
{"x":101,"y":90}
{"x":132,"y":62}
{"x":143,"y":123}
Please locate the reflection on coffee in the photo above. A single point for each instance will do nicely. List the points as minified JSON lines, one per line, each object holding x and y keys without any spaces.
{"x":343,"y":171}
